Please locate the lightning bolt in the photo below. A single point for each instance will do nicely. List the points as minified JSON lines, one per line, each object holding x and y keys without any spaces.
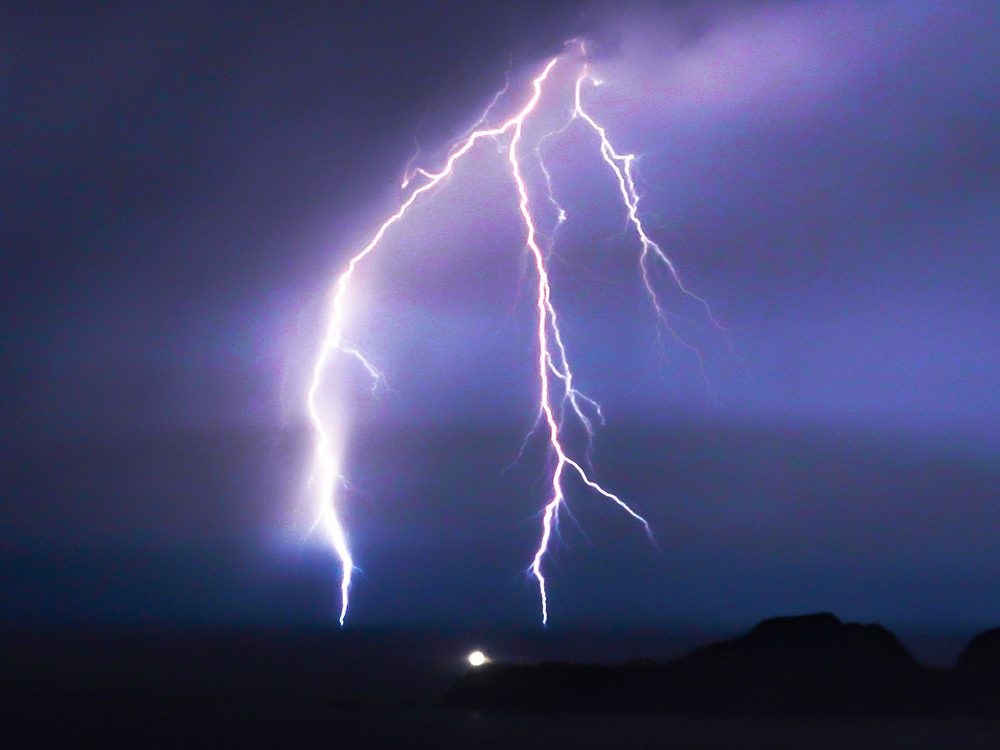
{"x":556,"y":391}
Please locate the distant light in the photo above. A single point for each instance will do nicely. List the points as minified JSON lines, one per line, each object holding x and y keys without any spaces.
{"x":477,"y":658}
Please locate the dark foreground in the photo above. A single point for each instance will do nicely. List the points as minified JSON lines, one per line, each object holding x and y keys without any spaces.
{"x":802,"y":682}
{"x":132,"y":722}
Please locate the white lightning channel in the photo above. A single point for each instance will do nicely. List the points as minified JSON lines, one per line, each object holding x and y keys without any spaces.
{"x":326,"y":471}
{"x":553,"y":367}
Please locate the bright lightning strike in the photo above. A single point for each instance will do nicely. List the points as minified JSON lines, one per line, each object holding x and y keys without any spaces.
{"x":557,"y":394}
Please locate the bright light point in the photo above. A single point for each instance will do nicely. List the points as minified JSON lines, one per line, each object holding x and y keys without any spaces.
{"x":477,"y":658}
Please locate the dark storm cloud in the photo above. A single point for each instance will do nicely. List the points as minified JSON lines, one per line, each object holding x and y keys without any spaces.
{"x":175,"y":169}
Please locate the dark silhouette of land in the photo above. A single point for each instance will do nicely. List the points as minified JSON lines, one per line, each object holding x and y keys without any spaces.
{"x":808,"y":665}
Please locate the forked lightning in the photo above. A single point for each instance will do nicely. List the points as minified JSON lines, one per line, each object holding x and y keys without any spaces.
{"x":555,"y":377}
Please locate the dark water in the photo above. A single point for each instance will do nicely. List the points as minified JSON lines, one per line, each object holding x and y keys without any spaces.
{"x":369,"y":667}
{"x":183,"y":722}
{"x":320,"y":687}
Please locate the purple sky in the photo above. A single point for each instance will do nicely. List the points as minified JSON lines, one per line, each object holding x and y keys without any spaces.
{"x":181,"y":188}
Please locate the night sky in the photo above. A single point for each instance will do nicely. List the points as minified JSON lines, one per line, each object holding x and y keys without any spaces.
{"x":181,"y":185}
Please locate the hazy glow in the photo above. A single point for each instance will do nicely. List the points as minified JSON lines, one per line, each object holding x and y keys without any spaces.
{"x":557,"y":395}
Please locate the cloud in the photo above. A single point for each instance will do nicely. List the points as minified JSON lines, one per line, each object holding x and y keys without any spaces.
{"x":706,"y":57}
